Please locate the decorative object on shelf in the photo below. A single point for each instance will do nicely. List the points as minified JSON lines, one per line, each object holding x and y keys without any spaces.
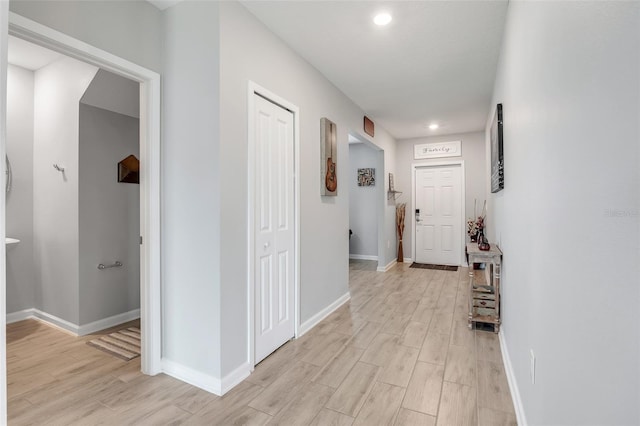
{"x":400,"y":213}
{"x":129,"y":170}
{"x":328,"y":157}
{"x":366,"y":177}
{"x":483,"y":243}
{"x":472,"y":230}
{"x":369,"y":127}
{"x":497,"y":154}
{"x":437,"y":150}
{"x":392,"y":193}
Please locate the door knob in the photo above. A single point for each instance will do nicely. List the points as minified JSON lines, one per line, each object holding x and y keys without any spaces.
{"x":266,"y":246}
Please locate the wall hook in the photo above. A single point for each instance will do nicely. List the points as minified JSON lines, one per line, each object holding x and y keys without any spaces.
{"x":58,"y":168}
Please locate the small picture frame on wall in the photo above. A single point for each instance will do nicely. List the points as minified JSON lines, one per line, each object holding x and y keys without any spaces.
{"x":497,"y":151}
{"x":366,"y":177}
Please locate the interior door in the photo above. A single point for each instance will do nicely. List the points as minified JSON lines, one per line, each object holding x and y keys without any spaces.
{"x":438,"y":214}
{"x":274,"y":227}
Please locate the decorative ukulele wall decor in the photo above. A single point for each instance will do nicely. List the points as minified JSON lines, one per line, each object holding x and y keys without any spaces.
{"x":329,"y":152}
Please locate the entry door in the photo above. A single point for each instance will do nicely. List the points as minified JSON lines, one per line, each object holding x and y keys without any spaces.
{"x":274,"y":227}
{"x":438,"y":214}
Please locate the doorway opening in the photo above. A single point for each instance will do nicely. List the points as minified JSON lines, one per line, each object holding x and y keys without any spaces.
{"x":149,"y":198}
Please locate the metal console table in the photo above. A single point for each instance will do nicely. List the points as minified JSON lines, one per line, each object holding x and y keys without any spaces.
{"x":484,"y":299}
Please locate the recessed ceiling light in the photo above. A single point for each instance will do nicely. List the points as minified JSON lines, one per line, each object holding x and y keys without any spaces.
{"x":433,"y":126}
{"x":382,"y":19}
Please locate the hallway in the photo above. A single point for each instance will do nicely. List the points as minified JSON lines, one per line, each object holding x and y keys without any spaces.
{"x":398,"y":353}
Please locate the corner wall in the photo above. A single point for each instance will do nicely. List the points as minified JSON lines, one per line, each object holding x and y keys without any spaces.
{"x":109,"y":215}
{"x":363,"y":201}
{"x":567,"y":219}
{"x":58,"y":89}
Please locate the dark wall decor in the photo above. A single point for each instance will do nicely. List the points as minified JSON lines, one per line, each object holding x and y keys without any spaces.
{"x":129,"y":170}
{"x":328,"y":157}
{"x":369,"y":127}
{"x":497,"y":154}
{"x":366,"y":177}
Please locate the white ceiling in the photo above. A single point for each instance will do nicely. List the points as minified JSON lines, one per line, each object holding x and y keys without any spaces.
{"x":30,"y":56}
{"x":435,"y":62}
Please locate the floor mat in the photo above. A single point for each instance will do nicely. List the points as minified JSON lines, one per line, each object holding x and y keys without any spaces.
{"x":124,"y":344}
{"x":430,"y":266}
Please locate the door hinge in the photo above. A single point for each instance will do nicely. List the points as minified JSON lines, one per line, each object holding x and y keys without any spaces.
{"x":140,"y":239}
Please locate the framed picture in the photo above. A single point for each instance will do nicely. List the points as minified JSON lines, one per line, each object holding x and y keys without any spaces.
{"x":366,"y":177}
{"x":497,"y":153}
{"x":437,"y":150}
{"x":328,"y":157}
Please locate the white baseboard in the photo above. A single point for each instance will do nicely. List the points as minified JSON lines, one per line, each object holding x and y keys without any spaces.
{"x":20,"y":315}
{"x":389,"y":266}
{"x":235,"y":377}
{"x":69,"y":326}
{"x":188,"y":375}
{"x":314,"y":320}
{"x":408,"y":260}
{"x":92,"y":327}
{"x":362,"y":257}
{"x":511,"y":379}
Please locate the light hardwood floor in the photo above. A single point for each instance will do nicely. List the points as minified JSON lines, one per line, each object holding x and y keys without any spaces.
{"x":399,"y":353}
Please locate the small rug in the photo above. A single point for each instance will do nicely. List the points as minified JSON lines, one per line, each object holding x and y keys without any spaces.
{"x":124,"y":344}
{"x":430,"y":266}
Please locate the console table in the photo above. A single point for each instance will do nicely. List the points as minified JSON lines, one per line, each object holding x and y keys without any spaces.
{"x":484,"y":299}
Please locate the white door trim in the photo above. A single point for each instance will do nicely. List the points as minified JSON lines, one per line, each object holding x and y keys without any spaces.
{"x":150,"y":296}
{"x":442,"y":163}
{"x":254,"y":89}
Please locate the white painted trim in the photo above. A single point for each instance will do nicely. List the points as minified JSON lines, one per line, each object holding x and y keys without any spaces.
{"x":362,"y":257}
{"x":235,"y":377}
{"x":388,"y":266}
{"x":463,"y":206}
{"x":511,"y":379}
{"x":252,"y":90}
{"x":20,"y":315}
{"x":4,"y":41}
{"x":111,"y":321}
{"x":70,"y":327}
{"x":150,"y":289}
{"x":317,"y":318}
{"x":408,"y":260}
{"x":193,"y":377}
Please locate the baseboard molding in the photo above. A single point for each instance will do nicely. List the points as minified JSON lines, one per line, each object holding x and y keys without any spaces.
{"x":362,"y":257}
{"x":314,"y":320}
{"x":234,"y":378}
{"x":408,"y":260}
{"x":20,"y":315}
{"x":511,"y":379}
{"x":92,"y":327}
{"x":196,"y":378}
{"x":389,"y":266}
{"x":70,"y":327}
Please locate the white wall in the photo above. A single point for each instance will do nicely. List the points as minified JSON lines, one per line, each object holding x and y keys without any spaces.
{"x":129,"y":29}
{"x":114,"y":93}
{"x":21,"y":280}
{"x":109,"y":215}
{"x":251,"y":52}
{"x":191,"y":188}
{"x":567,"y":219}
{"x":364,"y":200}
{"x":473,"y":155}
{"x":58,"y":89}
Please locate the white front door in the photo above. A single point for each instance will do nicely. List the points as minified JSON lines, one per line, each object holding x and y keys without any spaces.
{"x":438,"y":214}
{"x":274,"y":227}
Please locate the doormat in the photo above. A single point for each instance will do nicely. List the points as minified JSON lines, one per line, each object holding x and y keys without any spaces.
{"x":123,"y":344}
{"x":430,"y":266}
